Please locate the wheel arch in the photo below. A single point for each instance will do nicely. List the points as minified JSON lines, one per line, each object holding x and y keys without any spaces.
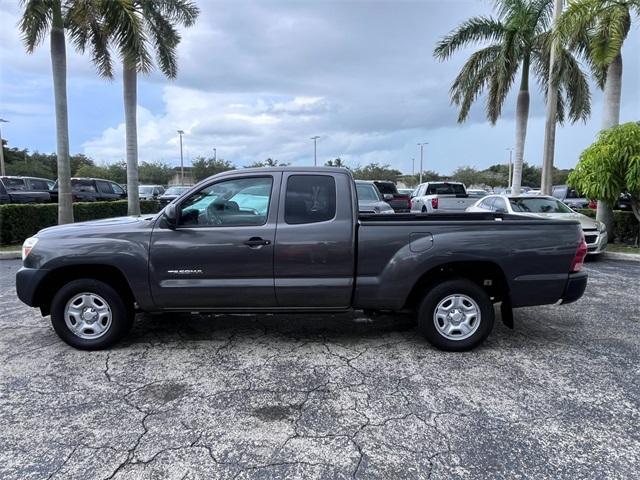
{"x":108,"y":274}
{"x":486,"y":274}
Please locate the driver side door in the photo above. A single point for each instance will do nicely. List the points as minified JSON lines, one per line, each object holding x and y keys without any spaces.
{"x":220,"y":254}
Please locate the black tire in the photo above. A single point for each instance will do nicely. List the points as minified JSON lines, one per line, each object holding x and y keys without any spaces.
{"x":121,"y":314}
{"x":426,"y":323}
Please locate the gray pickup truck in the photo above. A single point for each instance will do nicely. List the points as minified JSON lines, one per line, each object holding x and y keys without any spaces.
{"x":291,"y":240}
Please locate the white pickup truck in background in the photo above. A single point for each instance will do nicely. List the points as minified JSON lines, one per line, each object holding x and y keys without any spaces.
{"x":440,"y":197}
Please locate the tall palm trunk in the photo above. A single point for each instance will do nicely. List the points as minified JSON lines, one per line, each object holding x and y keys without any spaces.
{"x":611,"y":118}
{"x":130,"y":82}
{"x":59,"y":70}
{"x":522,"y":117}
{"x":552,"y":112}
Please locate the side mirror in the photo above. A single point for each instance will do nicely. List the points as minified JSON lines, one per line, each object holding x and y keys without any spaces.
{"x":388,"y":196}
{"x":170,"y":215}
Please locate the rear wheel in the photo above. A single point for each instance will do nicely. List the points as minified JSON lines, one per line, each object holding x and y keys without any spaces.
{"x":90,"y":315}
{"x":456,"y":315}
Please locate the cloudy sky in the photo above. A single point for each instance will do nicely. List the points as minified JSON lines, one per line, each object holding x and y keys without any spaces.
{"x":258,"y":78}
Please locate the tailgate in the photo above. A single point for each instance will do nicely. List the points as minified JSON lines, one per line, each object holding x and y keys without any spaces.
{"x":454,"y":203}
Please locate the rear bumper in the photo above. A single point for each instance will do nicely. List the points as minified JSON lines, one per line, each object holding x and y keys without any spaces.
{"x":27,"y":282}
{"x":575,"y":287}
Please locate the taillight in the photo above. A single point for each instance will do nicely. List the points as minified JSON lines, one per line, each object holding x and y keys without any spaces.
{"x":409,"y":203}
{"x":434,"y":202}
{"x":578,"y":259}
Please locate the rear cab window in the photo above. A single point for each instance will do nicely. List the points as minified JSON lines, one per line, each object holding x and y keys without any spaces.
{"x":445,"y":189}
{"x":310,"y":199}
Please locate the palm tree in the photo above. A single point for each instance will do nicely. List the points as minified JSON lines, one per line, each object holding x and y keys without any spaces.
{"x":597,"y":29}
{"x":38,"y":18}
{"x":518,"y":41}
{"x":133,"y":27}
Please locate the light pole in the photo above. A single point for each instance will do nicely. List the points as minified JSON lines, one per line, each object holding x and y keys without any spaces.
{"x":315,"y":150}
{"x":421,"y":145}
{"x":215,"y":154}
{"x":2,"y":172}
{"x":181,"y":132}
{"x":510,"y":157}
{"x":413,"y":167}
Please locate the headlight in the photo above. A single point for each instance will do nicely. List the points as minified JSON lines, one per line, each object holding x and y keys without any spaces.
{"x":27,"y":246}
{"x":600,"y":226}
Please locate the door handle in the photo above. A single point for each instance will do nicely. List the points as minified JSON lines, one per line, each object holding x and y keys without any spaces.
{"x":257,"y":242}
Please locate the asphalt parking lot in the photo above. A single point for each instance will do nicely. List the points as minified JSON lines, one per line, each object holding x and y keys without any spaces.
{"x":328,"y":396}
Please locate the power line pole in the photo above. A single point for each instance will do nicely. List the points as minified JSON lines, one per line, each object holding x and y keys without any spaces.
{"x":421,"y":145}
{"x":181,"y":132}
{"x":413,"y":167}
{"x":315,"y":150}
{"x":215,"y":154}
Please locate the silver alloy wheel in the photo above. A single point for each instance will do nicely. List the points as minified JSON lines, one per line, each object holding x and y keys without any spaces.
{"x":88,"y":315}
{"x":457,"y":317}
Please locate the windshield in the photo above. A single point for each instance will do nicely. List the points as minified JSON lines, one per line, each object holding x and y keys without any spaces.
{"x":176,"y":190}
{"x":145,"y":190}
{"x":386,"y":187}
{"x":367,"y":192}
{"x":538,"y":205}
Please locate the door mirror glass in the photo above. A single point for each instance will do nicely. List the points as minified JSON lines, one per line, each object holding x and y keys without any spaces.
{"x":170,"y":215}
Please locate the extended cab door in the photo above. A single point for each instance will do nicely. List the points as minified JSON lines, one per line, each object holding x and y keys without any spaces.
{"x":220,"y":255}
{"x":315,"y":241}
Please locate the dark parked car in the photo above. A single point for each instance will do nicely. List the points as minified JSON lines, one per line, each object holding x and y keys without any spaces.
{"x":370,"y":199}
{"x":171,"y":193}
{"x":400,"y":202}
{"x":24,"y":190}
{"x":92,"y":190}
{"x":288,"y":240}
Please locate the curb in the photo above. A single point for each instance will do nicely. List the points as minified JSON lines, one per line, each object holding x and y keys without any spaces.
{"x":623,"y":256}
{"x":12,"y":255}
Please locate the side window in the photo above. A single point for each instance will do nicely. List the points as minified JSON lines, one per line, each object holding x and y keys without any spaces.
{"x":238,"y":202}
{"x":310,"y":199}
{"x":487,"y":202}
{"x":557,"y":192}
{"x":499,"y":203}
{"x":117,"y":189}
{"x":82,"y":186}
{"x":39,"y":185}
{"x":104,"y":187}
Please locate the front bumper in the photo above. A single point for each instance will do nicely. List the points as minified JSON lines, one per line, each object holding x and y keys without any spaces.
{"x":27,"y":282}
{"x":598,"y":244}
{"x":575,"y":287}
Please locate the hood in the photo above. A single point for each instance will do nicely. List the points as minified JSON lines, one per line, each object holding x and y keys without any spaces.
{"x":375,"y":205}
{"x":116,"y":224}
{"x":587,"y":223}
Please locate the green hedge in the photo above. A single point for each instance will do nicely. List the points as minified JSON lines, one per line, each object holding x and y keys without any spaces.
{"x":626,"y":227}
{"x":18,"y":222}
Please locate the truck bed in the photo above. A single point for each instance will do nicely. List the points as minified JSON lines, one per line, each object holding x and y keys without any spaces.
{"x":532,"y":256}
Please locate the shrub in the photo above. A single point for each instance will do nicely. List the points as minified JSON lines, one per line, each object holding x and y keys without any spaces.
{"x":625,"y":225}
{"x":18,"y":222}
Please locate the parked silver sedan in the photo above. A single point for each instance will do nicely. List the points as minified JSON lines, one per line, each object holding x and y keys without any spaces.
{"x":595,"y":232}
{"x":370,"y":199}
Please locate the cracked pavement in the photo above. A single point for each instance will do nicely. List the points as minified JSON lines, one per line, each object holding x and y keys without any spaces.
{"x":328,"y":396}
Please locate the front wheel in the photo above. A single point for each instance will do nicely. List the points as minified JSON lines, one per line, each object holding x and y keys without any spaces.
{"x":90,"y":315}
{"x":456,"y":315}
